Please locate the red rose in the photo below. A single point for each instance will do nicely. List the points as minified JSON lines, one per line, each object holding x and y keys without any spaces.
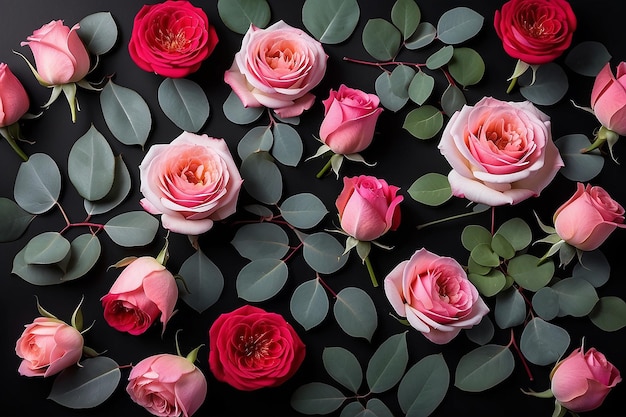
{"x":535,"y":31}
{"x":250,"y":348}
{"x":171,"y":38}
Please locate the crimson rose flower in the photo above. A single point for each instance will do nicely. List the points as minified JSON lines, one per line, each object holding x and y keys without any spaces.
{"x":171,"y":38}
{"x":250,"y":348}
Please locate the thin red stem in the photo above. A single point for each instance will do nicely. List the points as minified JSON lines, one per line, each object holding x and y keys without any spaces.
{"x":521,"y":356}
{"x":330,"y":290}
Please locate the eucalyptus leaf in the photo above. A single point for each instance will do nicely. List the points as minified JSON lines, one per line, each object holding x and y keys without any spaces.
{"x":37,"y":184}
{"x":466,"y":66}
{"x":423,"y":36}
{"x":126,"y":114}
{"x":484,"y":255}
{"x":424,"y":122}
{"x":474,"y":268}
{"x":262,"y":178}
{"x":458,"y":25}
{"x":528,"y":273}
{"x":381,"y":39}
{"x":235,"y":111}
{"x":543,"y":343}
{"x":400,"y":79}
{"x":343,"y":367}
{"x":502,"y":247}
{"x":388,"y":99}
{"x":609,"y":314}
{"x":323,"y":253}
{"x":388,"y":363}
{"x":260,"y":210}
{"x":421,"y":87}
{"x":510,"y":309}
{"x":353,"y":409}
{"x":85,"y":252}
{"x":488,"y":284}
{"x":259,"y":138}
{"x":202,"y":284}
{"x":91,"y":165}
{"x":309,"y":304}
{"x":577,"y":297}
{"x":424,"y":386}
{"x":238,"y":15}
{"x":440,"y":58}
{"x":184,"y":102}
{"x":432,"y":189}
{"x":46,"y":248}
{"x":134,"y":228}
{"x":36,"y":274}
{"x":316,"y":398}
{"x":580,"y":167}
{"x":304,"y":210}
{"x":116,"y":195}
{"x":517,"y":232}
{"x":261,"y":279}
{"x":452,"y":99}
{"x":484,"y":368}
{"x":288,"y":146}
{"x":587,"y":58}
{"x":87,"y":385}
{"x":377,"y":408}
{"x":261,"y":240}
{"x":545,"y":302}
{"x":99,"y":33}
{"x":330,"y":21}
{"x":482,"y":333}
{"x":474,"y":235}
{"x":593,"y":267}
{"x":549,"y":87}
{"x":15,"y":220}
{"x":355,"y":313}
{"x":406,"y":15}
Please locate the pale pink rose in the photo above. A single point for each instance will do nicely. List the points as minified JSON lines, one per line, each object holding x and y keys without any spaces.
{"x":143,"y":292}
{"x":608,"y":98}
{"x":60,"y":55}
{"x":350,"y":117}
{"x":582,"y":381}
{"x":192,"y":182}
{"x":47,"y":346}
{"x":587,"y":219}
{"x":500,"y":152}
{"x":276,"y":68}
{"x":167,"y":385}
{"x":435,"y":295}
{"x":368,"y":207}
{"x":14,"y":101}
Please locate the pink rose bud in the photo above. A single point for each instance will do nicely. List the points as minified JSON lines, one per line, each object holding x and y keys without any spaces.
{"x":587,"y":219}
{"x":171,"y":38}
{"x":167,"y":385}
{"x":368,"y":207}
{"x":14,"y":101}
{"x":349,"y":120}
{"x":536,"y":32}
{"x":143,"y":291}
{"x":435,"y":295}
{"x":47,"y":346}
{"x":582,"y":381}
{"x":276,"y":68}
{"x":60,"y":55}
{"x":608,"y":98}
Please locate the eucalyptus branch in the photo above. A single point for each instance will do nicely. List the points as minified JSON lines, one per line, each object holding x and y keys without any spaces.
{"x":521,"y":356}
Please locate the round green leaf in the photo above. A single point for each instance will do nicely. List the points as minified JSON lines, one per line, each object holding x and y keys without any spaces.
{"x":36,"y":274}
{"x":316,"y":398}
{"x":474,"y":268}
{"x":261,"y":279}
{"x":381,"y":39}
{"x":510,"y":309}
{"x":37,"y":184}
{"x":388,"y":363}
{"x":502,"y":247}
{"x":235,"y":111}
{"x":466,"y":66}
{"x":134,"y":228}
{"x":388,"y":99}
{"x":421,"y":87}
{"x":15,"y":220}
{"x":543,"y":343}
{"x":546,"y":303}
{"x":119,"y":191}
{"x":309,"y":304}
{"x":406,"y":15}
{"x":517,"y":232}
{"x":46,"y":248}
{"x":474,"y":235}
{"x":440,"y":58}
{"x":85,"y":251}
{"x":400,"y":79}
{"x":330,"y":21}
{"x":580,"y":167}
{"x":261,"y":240}
{"x":549,"y":87}
{"x":593,"y":267}
{"x":527,"y":272}
{"x":184,"y":103}
{"x":432,"y":189}
{"x":458,"y":25}
{"x":262,"y":178}
{"x":609,"y":314}
{"x":98,"y":31}
{"x":353,"y":409}
{"x":324,"y":253}
{"x":377,"y":408}
{"x":423,"y":36}
{"x":203,"y":282}
{"x":91,"y":165}
{"x":259,"y":138}
{"x":424,"y":386}
{"x":238,"y":15}
{"x":483,"y":368}
{"x":452,"y":100}
{"x":577,"y":297}
{"x":303,"y":210}
{"x":287,"y":147}
{"x":355,"y":313}
{"x":482,"y":333}
{"x":424,"y":122}
{"x":587,"y":58}
{"x":484,"y":255}
{"x":488,"y":284}
{"x":126,"y":114}
{"x":343,"y":367}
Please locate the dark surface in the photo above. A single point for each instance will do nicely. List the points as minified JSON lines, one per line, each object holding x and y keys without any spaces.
{"x":400,"y":160}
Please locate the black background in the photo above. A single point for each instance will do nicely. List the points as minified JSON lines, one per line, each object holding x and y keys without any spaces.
{"x":400,"y":160}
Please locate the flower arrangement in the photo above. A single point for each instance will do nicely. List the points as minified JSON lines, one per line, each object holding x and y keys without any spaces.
{"x":184,"y":205}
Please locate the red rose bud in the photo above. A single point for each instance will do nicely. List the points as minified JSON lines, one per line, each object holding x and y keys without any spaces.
{"x":14,"y":101}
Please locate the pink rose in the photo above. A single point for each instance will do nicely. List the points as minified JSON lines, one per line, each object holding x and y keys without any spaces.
{"x":535,"y":31}
{"x":500,"y":152}
{"x":192,"y":182}
{"x":608,"y":98}
{"x":167,"y":385}
{"x":143,"y":291}
{"x":14,"y":101}
{"x":349,"y":120}
{"x":435,"y":295}
{"x":276,"y":68}
{"x":47,"y":346}
{"x":171,"y":38}
{"x":368,"y":207}
{"x":60,"y":56}
{"x":588,"y":217}
{"x":250,"y":348}
{"x":582,"y":381}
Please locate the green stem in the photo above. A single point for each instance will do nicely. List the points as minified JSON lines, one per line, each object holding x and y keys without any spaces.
{"x":458,"y":216}
{"x":368,"y":264}
{"x":324,"y":170}
{"x":512,"y":85}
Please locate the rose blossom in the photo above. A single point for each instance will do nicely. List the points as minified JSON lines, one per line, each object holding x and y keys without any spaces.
{"x":60,"y":56}
{"x":350,"y":117}
{"x":14,"y":102}
{"x":192,"y":181}
{"x":171,"y":38}
{"x":608,"y":98}
{"x":167,"y":385}
{"x":535,"y":31}
{"x":368,"y":207}
{"x":47,"y":346}
{"x":588,"y":217}
{"x":435,"y":295}
{"x":582,"y":381}
{"x":276,"y":68}
{"x":250,"y":348}
{"x":143,"y":291}
{"x":500,"y":152}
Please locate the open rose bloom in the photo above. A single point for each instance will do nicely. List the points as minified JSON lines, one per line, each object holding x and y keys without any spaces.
{"x":500,"y":152}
